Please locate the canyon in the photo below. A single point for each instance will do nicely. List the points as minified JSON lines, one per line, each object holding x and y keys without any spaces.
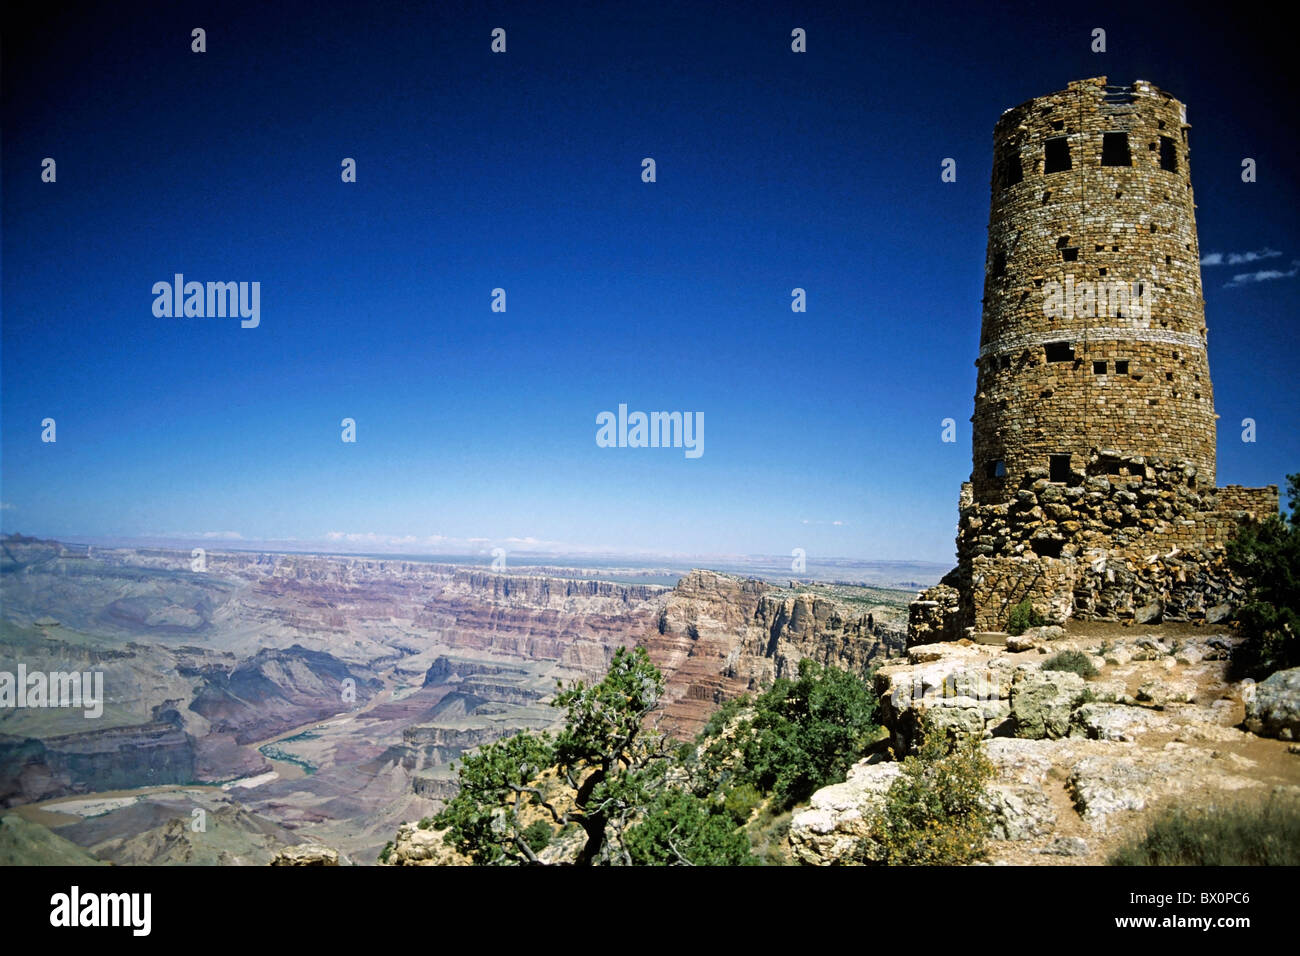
{"x":304,"y":698}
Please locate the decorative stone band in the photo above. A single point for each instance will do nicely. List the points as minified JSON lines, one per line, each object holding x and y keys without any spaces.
{"x":1011,"y":343}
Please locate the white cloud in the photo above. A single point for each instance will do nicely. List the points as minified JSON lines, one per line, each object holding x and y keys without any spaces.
{"x":6,"y":506}
{"x":1238,"y":258}
{"x":370,"y":537}
{"x":1264,"y":275}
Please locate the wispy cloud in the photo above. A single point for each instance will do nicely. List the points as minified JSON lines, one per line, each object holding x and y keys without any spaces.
{"x":196,"y":535}
{"x":1238,"y":258}
{"x":1264,"y":275}
{"x":6,"y":506}
{"x":836,"y":524}
{"x":370,"y":537}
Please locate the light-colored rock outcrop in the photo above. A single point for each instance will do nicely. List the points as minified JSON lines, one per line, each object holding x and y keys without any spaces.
{"x":1042,"y":701}
{"x":1273,"y":709}
{"x":306,"y":854}
{"x":1077,"y":762}
{"x":422,"y":847}
{"x":838,"y":818}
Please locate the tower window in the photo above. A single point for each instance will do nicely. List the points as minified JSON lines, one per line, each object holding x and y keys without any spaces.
{"x":1114,"y":150}
{"x":1121,"y":367}
{"x":1059,"y":352}
{"x":1058,"y":468}
{"x":1168,"y":154}
{"x":999,"y":265}
{"x":995,"y":468}
{"x":1056,"y":155}
{"x":1098,"y":368}
{"x":1004,"y":361}
{"x":1070,"y":255}
{"x":1009,"y":169}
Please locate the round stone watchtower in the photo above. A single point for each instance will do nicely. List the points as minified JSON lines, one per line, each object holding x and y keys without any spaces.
{"x":1093,"y":342}
{"x":1093,"y":494}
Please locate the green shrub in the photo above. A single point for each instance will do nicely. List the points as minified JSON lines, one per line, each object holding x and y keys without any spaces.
{"x":1259,"y":834}
{"x":386,"y":852}
{"x":537,"y":835}
{"x":1267,"y":555}
{"x":1023,"y":617}
{"x":679,"y":828}
{"x":426,"y":823}
{"x":805,"y":733}
{"x":724,"y":715}
{"x":936,"y":813}
{"x":739,"y":802}
{"x":1076,"y":662}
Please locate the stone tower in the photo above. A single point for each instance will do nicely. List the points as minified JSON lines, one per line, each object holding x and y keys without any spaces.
{"x":1093,"y":332}
{"x":1093,"y":488}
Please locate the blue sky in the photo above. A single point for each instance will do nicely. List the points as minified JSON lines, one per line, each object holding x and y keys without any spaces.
{"x":522,"y":171}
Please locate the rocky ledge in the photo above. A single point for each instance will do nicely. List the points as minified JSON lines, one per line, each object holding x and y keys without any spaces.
{"x":1080,"y":763}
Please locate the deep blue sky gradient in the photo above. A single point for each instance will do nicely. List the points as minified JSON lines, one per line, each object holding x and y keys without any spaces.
{"x":522,"y":171}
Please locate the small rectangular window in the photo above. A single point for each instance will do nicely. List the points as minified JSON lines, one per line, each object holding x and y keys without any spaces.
{"x":1058,"y":468}
{"x":1009,"y":171}
{"x":1098,"y":368}
{"x":995,"y":468}
{"x":1056,"y":155}
{"x":1114,"y":150}
{"x":1070,"y":255}
{"x":1168,"y":154}
{"x":1121,"y":367}
{"x":1059,"y":352}
{"x":1005,"y":361}
{"x":1047,"y":547}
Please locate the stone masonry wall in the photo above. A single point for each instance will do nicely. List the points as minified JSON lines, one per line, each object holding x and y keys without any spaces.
{"x":1100,"y":371}
{"x":1132,"y":540}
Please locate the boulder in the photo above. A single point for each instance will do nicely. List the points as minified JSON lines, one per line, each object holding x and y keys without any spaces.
{"x":1102,"y":721}
{"x":838,"y":817}
{"x":1066,"y":846}
{"x":1022,"y":642}
{"x":1041,"y":702}
{"x":1161,"y":692}
{"x":1019,"y":812}
{"x":1102,"y":786}
{"x":1273,"y":708}
{"x":306,"y":854}
{"x":423,"y":847}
